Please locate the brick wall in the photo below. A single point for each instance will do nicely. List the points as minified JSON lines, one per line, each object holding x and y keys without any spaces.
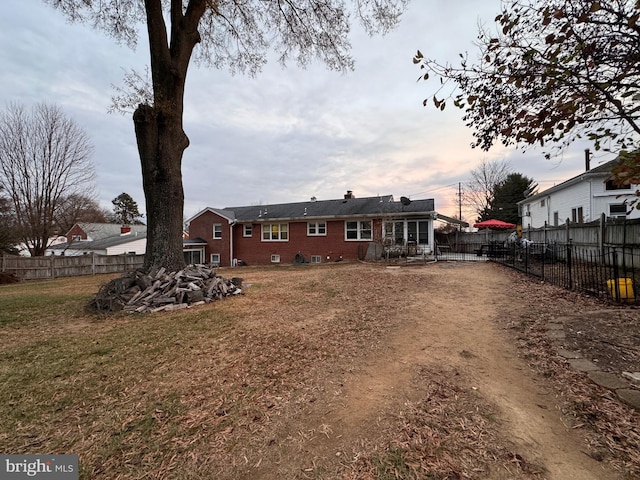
{"x":76,"y":230}
{"x":330,"y":247}
{"x":202,"y":227}
{"x":253,"y":251}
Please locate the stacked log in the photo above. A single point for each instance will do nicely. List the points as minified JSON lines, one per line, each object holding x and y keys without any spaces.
{"x":138,"y":292}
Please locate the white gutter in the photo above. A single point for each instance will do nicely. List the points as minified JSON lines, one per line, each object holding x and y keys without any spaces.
{"x":231,"y":224}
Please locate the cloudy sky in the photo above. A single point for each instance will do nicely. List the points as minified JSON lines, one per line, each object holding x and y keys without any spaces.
{"x":287,"y":134}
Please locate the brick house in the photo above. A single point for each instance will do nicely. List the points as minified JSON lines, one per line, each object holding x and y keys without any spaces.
{"x":315,"y":231}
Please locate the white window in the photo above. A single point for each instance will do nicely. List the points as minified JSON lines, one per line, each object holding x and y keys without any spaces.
{"x":247,"y":231}
{"x":394,"y":232}
{"x":418,"y":231}
{"x":316,"y":228}
{"x":576,"y":215}
{"x":610,"y":185}
{"x":618,"y":210}
{"x":217,"y":230}
{"x":316,"y":259}
{"x":358,"y":230}
{"x":275,"y":258}
{"x":215,"y":259}
{"x":192,"y":257}
{"x":274,"y":232}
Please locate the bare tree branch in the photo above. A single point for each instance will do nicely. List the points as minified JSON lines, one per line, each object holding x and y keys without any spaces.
{"x":44,"y":158}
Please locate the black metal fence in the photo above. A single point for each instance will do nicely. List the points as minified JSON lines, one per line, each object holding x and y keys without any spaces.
{"x":610,"y":272}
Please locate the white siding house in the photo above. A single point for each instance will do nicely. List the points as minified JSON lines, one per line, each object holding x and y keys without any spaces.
{"x":102,"y":239}
{"x":580,"y":199}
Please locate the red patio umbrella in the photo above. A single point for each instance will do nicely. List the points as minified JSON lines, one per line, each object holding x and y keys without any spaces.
{"x":494,"y":225}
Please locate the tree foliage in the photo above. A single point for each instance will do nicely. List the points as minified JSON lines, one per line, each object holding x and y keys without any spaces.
{"x":233,"y":34}
{"x":552,"y":72}
{"x":45,"y":157}
{"x":125,"y":210}
{"x":506,"y":195}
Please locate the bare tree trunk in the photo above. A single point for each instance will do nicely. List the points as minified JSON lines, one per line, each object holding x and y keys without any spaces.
{"x":159,"y":133}
{"x":161,"y":143}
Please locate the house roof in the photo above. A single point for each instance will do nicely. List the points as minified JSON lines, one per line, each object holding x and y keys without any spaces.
{"x":194,"y":241}
{"x":99,"y":231}
{"x":322,"y":209}
{"x":104,"y":241}
{"x":601,"y":171}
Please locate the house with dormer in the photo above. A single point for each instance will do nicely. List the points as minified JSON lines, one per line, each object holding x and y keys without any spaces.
{"x":581,"y":199}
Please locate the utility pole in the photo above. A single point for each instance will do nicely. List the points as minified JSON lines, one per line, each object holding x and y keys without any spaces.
{"x":460,"y":205}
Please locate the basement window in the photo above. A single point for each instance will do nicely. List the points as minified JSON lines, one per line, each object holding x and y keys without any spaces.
{"x":275,"y":258}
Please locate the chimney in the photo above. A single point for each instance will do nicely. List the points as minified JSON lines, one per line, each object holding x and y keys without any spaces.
{"x":587,"y":160}
{"x":349,"y":194}
{"x":125,"y":229}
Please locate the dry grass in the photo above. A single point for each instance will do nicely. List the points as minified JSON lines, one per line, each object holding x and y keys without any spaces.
{"x":229,"y":390}
{"x":612,"y":427}
{"x":449,"y":434}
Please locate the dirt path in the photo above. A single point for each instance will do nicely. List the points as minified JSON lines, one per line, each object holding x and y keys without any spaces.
{"x":447,"y":327}
{"x":467,"y":338}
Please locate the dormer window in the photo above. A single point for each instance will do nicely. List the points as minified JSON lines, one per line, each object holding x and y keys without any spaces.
{"x":612,"y":186}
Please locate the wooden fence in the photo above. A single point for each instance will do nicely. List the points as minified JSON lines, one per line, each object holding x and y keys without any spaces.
{"x":597,"y":234}
{"x":32,"y":268}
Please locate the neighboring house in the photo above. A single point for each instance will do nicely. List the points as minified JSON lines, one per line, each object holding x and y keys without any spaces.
{"x":314,"y":231}
{"x":102,"y":239}
{"x":25,"y":250}
{"x":580,"y":199}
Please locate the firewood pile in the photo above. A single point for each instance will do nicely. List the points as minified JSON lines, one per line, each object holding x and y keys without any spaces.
{"x":138,"y":292}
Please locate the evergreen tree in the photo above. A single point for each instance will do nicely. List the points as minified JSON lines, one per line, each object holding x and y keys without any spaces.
{"x":125,"y":210}
{"x":506,"y":195}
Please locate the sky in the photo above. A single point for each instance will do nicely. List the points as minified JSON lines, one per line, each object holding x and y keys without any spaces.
{"x":287,"y":134}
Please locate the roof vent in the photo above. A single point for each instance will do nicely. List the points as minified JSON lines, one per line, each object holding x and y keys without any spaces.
{"x":313,"y":199}
{"x":349,"y":194}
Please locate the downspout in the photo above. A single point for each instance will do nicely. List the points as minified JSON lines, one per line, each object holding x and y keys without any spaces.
{"x":232,"y":224}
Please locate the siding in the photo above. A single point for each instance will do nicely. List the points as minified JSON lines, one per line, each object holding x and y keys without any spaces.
{"x":138,"y":246}
{"x":590,"y":194}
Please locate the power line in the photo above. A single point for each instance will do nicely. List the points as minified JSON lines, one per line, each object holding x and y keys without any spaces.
{"x":453,"y":185}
